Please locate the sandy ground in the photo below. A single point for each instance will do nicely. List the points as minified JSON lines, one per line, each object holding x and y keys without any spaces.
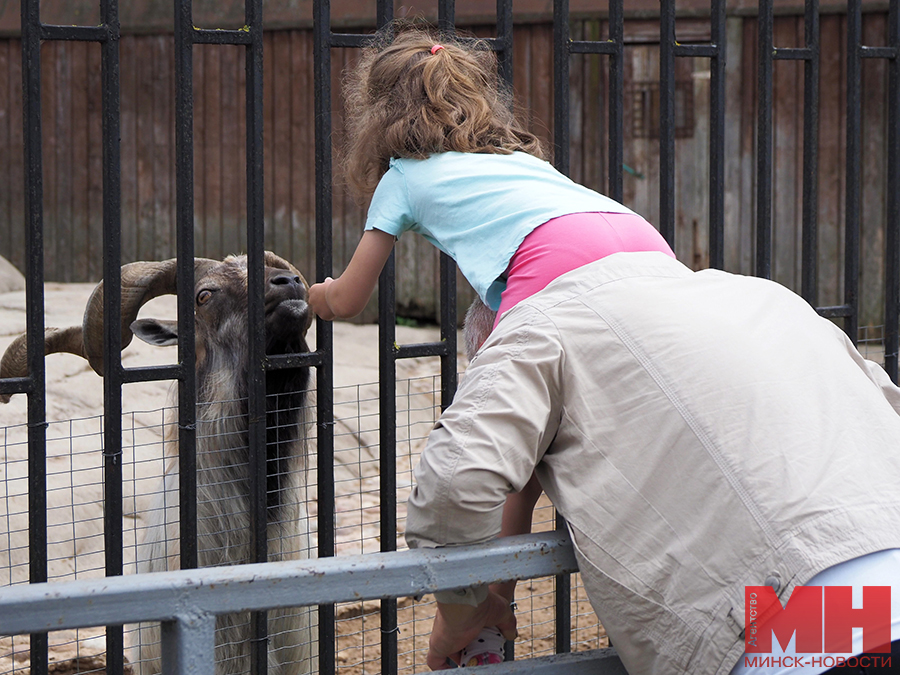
{"x":74,"y":407}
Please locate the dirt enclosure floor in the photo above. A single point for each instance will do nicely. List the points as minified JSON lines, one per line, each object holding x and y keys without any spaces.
{"x":75,"y":487}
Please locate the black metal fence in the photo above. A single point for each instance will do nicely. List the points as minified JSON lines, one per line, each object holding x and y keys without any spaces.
{"x":250,"y":37}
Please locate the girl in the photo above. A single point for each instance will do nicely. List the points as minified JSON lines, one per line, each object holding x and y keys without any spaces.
{"x":434,"y":144}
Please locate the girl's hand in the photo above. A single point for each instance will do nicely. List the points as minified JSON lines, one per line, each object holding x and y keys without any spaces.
{"x":455,"y":626}
{"x":318,"y":299}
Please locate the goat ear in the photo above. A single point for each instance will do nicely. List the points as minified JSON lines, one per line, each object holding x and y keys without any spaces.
{"x":156,"y":331}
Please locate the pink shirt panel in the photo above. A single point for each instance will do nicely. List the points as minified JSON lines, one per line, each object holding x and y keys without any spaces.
{"x":563,"y":244}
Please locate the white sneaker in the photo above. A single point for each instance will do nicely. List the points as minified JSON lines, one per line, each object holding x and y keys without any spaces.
{"x":487,"y":648}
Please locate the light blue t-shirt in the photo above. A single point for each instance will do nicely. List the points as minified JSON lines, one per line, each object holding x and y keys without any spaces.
{"x":478,"y":208}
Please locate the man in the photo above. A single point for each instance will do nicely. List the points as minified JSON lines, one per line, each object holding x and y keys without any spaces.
{"x":700,"y":432}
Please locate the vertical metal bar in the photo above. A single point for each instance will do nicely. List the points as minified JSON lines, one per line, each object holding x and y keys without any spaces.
{"x":449,"y":367}
{"x":561,"y":85}
{"x":717,"y":137}
{"x":387,"y":410}
{"x":667,"y":121}
{"x":34,"y":294}
{"x":854,"y":167}
{"x":809,"y":250}
{"x":255,"y":275}
{"x":256,"y":370}
{"x":324,"y":329}
{"x":384,"y":12}
{"x":447,"y":16}
{"x":561,"y":41}
{"x":764,"y":143}
{"x":616,"y":98}
{"x":184,"y":234}
{"x":892,"y":233}
{"x":387,"y":435}
{"x":505,"y":40}
{"x":188,"y":645}
{"x":112,"y":346}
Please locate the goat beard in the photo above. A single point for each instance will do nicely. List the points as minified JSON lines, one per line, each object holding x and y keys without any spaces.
{"x":285,"y":426}
{"x":286,"y":413}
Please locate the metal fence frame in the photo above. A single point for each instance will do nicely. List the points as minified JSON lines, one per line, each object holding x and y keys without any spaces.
{"x":19,"y":607}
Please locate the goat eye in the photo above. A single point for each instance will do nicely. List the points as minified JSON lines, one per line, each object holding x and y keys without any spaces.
{"x":203,"y":296}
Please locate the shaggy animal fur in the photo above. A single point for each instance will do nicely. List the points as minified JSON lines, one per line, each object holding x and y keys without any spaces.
{"x":223,"y":499}
{"x":222,"y":457}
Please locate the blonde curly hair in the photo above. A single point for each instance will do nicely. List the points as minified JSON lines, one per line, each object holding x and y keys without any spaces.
{"x":403,"y":101}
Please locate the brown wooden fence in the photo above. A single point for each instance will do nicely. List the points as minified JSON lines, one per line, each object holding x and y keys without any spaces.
{"x":72,"y":190}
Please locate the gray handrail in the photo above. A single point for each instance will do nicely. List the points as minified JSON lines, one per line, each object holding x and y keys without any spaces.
{"x":187,"y":601}
{"x":170,"y":596}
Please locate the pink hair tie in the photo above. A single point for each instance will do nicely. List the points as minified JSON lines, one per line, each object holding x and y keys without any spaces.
{"x":435,"y":49}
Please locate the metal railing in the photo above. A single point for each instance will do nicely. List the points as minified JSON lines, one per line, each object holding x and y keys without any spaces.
{"x":187,"y":602}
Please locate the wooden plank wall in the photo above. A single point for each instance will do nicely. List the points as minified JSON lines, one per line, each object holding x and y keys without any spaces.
{"x":72,"y":158}
{"x":641,"y":154}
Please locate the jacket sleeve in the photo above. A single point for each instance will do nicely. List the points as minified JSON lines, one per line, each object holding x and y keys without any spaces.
{"x":488,"y":442}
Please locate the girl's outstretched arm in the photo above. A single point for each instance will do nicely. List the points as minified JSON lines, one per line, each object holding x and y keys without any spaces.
{"x":347,"y":295}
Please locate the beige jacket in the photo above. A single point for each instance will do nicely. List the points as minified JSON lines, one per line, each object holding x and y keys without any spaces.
{"x":699,"y":431}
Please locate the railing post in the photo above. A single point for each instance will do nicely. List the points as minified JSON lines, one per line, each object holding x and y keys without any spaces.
{"x":188,"y":645}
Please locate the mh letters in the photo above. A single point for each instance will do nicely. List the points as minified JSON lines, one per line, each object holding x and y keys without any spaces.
{"x":822,"y":617}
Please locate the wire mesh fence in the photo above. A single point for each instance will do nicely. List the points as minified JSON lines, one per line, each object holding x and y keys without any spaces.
{"x":76,"y":542}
